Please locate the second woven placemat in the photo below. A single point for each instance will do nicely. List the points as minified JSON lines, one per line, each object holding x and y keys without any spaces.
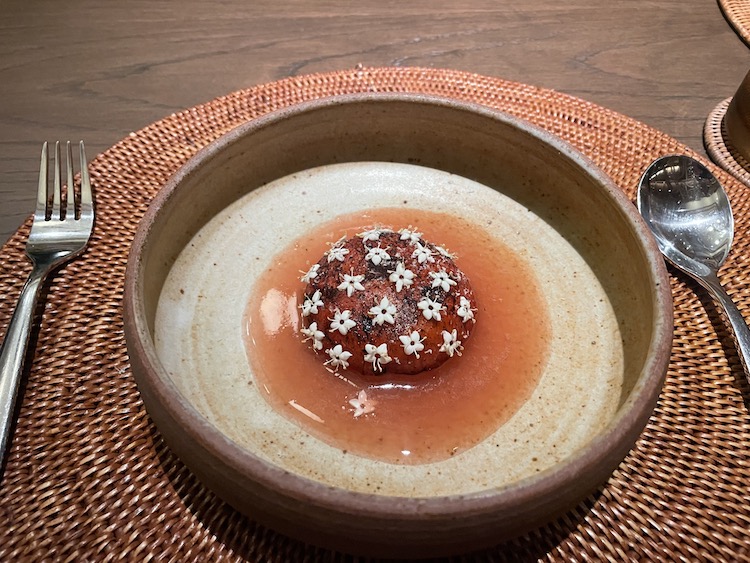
{"x":89,"y":479}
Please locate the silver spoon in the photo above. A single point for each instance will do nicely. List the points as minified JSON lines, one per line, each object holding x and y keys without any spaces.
{"x":690,"y":216}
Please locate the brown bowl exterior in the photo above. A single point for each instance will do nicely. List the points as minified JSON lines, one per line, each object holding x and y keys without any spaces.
{"x":526,"y":163}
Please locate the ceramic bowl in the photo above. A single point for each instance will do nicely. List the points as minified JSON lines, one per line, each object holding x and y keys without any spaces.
{"x":217,"y":226}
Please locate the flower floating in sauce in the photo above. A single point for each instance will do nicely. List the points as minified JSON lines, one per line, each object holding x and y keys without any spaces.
{"x":362,"y":404}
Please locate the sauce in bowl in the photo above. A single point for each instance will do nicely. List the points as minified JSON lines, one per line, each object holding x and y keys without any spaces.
{"x":407,"y":419}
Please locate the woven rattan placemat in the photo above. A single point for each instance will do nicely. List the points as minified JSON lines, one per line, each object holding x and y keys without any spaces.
{"x":88,"y":477}
{"x":737,"y":13}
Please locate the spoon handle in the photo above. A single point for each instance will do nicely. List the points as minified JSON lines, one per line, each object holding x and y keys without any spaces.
{"x":739,"y":327}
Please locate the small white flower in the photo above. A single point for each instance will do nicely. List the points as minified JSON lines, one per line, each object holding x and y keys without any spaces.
{"x":311,"y":274}
{"x":339,"y":357}
{"x":430,"y":309}
{"x":451,"y":344}
{"x":412,"y":344}
{"x":383,"y":312}
{"x":401,"y":277}
{"x":312,"y":332}
{"x":341,"y":322}
{"x":311,"y":304}
{"x":377,"y":355}
{"x":372,"y":235}
{"x":445,"y":253}
{"x":408,"y":234}
{"x":337,"y":253}
{"x":422,"y":254}
{"x":442,"y":280}
{"x":377,"y":255}
{"x":351,"y":284}
{"x":362,"y":404}
{"x":464,"y":309}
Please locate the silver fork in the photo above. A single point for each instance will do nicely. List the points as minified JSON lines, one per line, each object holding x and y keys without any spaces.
{"x":61,"y":229}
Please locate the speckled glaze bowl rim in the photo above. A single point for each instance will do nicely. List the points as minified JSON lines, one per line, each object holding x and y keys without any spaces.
{"x":605,"y":451}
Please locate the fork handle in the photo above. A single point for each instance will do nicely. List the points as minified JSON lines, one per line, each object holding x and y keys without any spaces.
{"x":13,"y":352}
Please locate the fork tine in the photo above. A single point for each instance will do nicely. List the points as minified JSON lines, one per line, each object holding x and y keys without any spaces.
{"x":40,"y":213}
{"x":87,"y":200}
{"x":70,"y":208}
{"x":56,"y":185}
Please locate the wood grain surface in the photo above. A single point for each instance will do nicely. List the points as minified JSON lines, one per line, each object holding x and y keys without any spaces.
{"x":93,"y":70}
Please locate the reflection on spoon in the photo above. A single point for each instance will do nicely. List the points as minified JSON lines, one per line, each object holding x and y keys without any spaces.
{"x":690,"y":216}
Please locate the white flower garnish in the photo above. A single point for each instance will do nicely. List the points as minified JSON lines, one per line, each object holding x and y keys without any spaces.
{"x":372,"y":234}
{"x":422,"y":254}
{"x":377,"y":355}
{"x":339,"y":357}
{"x":312,"y":332}
{"x":442,"y":280}
{"x":445,"y":253}
{"x":412,"y":344}
{"x":362,"y":404}
{"x":351,"y":284}
{"x":311,"y":304}
{"x":401,"y":276}
{"x":337,"y":253}
{"x":341,"y":322}
{"x":408,"y":234}
{"x":377,"y":255}
{"x":383,"y":312}
{"x":430,"y":309}
{"x":464,"y":309}
{"x":311,"y":274}
{"x":451,"y":343}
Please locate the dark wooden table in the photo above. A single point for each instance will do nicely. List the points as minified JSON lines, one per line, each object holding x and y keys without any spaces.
{"x":98,"y":70}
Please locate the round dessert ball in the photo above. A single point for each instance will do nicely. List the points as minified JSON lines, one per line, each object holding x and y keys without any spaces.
{"x":385,"y":301}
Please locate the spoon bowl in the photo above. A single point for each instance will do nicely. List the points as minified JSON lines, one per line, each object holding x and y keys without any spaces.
{"x":691,"y":219}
